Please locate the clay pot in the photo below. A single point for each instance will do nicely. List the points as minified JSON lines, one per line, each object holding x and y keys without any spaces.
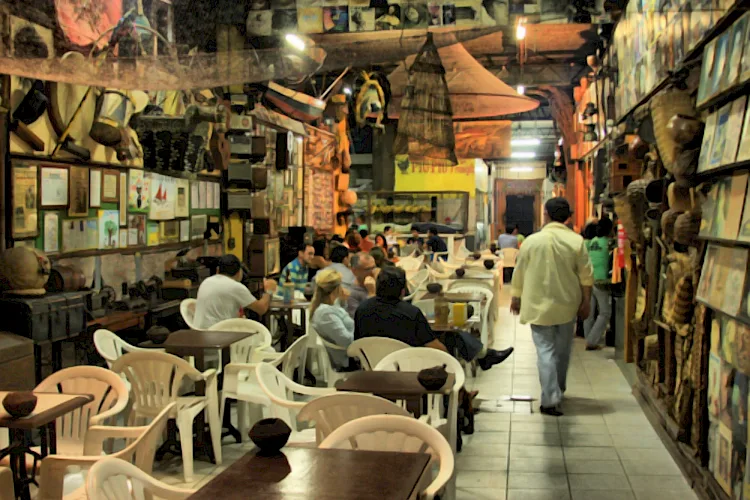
{"x":460,"y":272}
{"x":270,"y":434}
{"x":489,"y":264}
{"x":434,"y":288}
{"x":433,"y":378}
{"x":348,"y":197}
{"x":685,"y":130}
{"x":158,"y":334}
{"x":493,"y":248}
{"x":19,"y":404}
{"x":476,"y":255}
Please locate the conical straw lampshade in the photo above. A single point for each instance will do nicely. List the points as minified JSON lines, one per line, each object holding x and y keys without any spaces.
{"x":474,"y":91}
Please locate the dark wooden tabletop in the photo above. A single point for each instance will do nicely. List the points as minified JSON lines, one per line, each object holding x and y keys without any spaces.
{"x":391,"y":385}
{"x":320,"y":474}
{"x":457,"y":297}
{"x":202,"y":339}
{"x":49,"y":406}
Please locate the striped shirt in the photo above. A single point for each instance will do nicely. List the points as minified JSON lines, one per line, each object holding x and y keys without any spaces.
{"x":295,"y":272}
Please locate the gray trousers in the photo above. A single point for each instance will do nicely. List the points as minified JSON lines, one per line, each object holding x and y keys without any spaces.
{"x":553,"y":346}
{"x":596,"y":324}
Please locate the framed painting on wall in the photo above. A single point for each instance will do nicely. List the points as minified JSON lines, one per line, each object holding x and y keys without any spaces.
{"x":110,"y":186}
{"x":95,"y":187}
{"x":79,"y":192}
{"x":25,"y":204}
{"x":54,"y":187}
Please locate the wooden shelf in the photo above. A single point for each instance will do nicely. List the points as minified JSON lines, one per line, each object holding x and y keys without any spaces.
{"x":725,"y":97}
{"x":725,"y":242}
{"x":130,"y":250}
{"x":723,"y":170}
{"x":744,"y":321}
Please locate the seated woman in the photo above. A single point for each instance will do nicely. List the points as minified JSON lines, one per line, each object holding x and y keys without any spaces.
{"x":329,"y":317}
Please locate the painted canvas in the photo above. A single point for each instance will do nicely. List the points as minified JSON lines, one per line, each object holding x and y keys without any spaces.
{"x":336,"y":19}
{"x":388,"y":17}
{"x":54,"y":186}
{"x":708,"y":139}
{"x":743,"y":154}
{"x":25,"y":204}
{"x":79,"y":192}
{"x":449,"y":14}
{"x":716,"y":336}
{"x":361,"y":19}
{"x":152,"y":234}
{"x":138,"y":191}
{"x":724,"y":459}
{"x":707,"y":273}
{"x":714,"y":386}
{"x":137,"y":230}
{"x":185,"y":230}
{"x":736,"y":118}
{"x":720,"y":61}
{"x":169,"y":231}
{"x":182,"y":202}
{"x":742,"y":345}
{"x":728,"y":340}
{"x":51,"y":232}
{"x":725,"y":393}
{"x":162,"y":192}
{"x":109,"y":229}
{"x":415,"y":15}
{"x":733,"y":280}
{"x":739,"y":411}
{"x":310,"y":20}
{"x":720,"y":137}
{"x":734,"y":60}
{"x":91,"y":234}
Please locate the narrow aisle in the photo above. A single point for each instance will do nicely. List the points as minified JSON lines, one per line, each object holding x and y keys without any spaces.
{"x":602,"y":448}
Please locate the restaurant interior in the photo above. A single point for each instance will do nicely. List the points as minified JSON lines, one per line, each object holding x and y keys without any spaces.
{"x":205,"y":207}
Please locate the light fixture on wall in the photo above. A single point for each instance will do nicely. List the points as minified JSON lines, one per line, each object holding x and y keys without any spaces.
{"x":523,"y":154}
{"x":522,"y":169}
{"x":295,"y":41}
{"x":525,"y":142}
{"x":520,"y":30}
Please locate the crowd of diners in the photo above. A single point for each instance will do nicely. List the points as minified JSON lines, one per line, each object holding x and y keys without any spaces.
{"x":357,"y":292}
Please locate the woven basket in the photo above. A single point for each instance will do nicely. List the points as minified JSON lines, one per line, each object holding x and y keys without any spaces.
{"x":686,"y":164}
{"x":678,"y":197}
{"x":663,"y":107}
{"x":668,"y":220}
{"x":683,"y":301}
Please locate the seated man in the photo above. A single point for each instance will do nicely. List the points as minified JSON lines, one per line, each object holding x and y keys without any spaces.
{"x":364,"y":269}
{"x":386,"y":315}
{"x":434,"y":242}
{"x":297,"y":271}
{"x":340,"y":258}
{"x":221,"y":296}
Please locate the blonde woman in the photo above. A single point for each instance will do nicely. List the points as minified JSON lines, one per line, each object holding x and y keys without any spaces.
{"x":328,"y":316}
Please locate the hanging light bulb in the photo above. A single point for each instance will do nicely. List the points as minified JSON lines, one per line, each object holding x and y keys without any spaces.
{"x":520,"y":31}
{"x":521,"y":89}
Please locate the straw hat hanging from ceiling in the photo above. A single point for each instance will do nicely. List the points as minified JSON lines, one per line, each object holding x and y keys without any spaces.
{"x":474,"y":91}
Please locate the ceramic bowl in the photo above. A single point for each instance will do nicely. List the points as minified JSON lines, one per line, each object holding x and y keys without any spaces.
{"x":460,"y":272}
{"x":158,"y":334}
{"x":434,"y":288}
{"x":270,"y":434}
{"x":489,"y":264}
{"x":19,"y":404}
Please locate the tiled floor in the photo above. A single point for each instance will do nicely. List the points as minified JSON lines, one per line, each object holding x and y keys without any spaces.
{"x":603,"y":448}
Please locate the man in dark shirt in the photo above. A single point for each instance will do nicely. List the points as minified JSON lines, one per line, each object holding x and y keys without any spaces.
{"x":434,"y":242}
{"x":386,"y":315}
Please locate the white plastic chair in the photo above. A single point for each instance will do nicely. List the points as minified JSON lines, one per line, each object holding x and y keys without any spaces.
{"x":155,"y":378}
{"x":415,"y":359}
{"x":187,"y":310}
{"x":320,"y":347}
{"x":241,"y":352}
{"x":287,"y":398}
{"x":481,"y":309}
{"x":416,"y":282}
{"x":110,"y":395}
{"x":328,"y":413}
{"x":509,"y":257}
{"x":410,"y":263}
{"x":115,"y":479}
{"x":141,"y":447}
{"x":397,"y":433}
{"x":241,"y":383}
{"x":370,"y":350}
{"x":110,"y":346}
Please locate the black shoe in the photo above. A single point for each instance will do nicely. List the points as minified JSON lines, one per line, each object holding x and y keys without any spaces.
{"x":493,"y":358}
{"x":551,"y":411}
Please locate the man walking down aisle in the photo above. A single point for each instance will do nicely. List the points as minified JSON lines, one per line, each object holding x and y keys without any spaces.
{"x":551,"y":285}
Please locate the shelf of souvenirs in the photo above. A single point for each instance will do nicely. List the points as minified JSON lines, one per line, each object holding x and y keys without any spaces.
{"x":725,"y":242}
{"x":703,"y":481}
{"x":691,"y":56}
{"x":136,"y":250}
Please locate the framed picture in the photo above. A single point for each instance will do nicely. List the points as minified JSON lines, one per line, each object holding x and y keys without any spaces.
{"x":182,"y":201}
{"x":79,"y":192}
{"x":25,"y":202}
{"x":722,"y":48}
{"x":745,"y":61}
{"x":736,"y":49}
{"x":707,"y":69}
{"x":54,"y":187}
{"x":169,"y":231}
{"x":734,"y":125}
{"x":728,"y":213}
{"x":198,"y":226}
{"x":109,"y":229}
{"x":152,"y":234}
{"x":123,"y":199}
{"x":138,"y":191}
{"x":110,"y":186}
{"x":185,"y":230}
{"x":95,"y":187}
{"x":51,"y":232}
{"x":720,"y":137}
{"x":136,"y":230}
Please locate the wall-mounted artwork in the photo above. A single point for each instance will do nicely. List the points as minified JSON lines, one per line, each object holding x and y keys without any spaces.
{"x":162,"y":191}
{"x":110,"y":186}
{"x":182,"y":202}
{"x":109,"y":229}
{"x":415,"y":16}
{"x":310,"y":20}
{"x":185,"y":230}
{"x":95,"y":187}
{"x":25,"y":208}
{"x":284,"y":21}
{"x":138,"y":191}
{"x":123,"y":199}
{"x":198,"y":225}
{"x":152,"y":234}
{"x":361,"y":19}
{"x":54,"y":186}
{"x":79,"y":192}
{"x":51,"y":232}
{"x":169,"y":231}
{"x":136,"y":230}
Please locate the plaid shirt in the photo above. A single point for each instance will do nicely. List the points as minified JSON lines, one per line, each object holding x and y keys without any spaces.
{"x":296,"y":273}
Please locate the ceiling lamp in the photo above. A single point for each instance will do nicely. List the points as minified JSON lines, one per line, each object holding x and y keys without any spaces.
{"x":522,"y":169}
{"x":526,"y":142}
{"x":523,"y":154}
{"x":521,"y":89}
{"x":474,"y":91}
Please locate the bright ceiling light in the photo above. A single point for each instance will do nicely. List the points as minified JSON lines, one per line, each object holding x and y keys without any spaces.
{"x":523,"y":154}
{"x":295,"y":41}
{"x":560,"y":142}
{"x":522,"y":169}
{"x":520,"y":32}
{"x":348,"y":90}
{"x":526,"y":142}
{"x":521,"y":89}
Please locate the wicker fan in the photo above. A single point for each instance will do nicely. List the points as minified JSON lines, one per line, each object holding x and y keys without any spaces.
{"x":663,"y":107}
{"x":425,"y":127}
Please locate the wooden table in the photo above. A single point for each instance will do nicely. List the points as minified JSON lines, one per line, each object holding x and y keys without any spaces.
{"x":195,"y":343}
{"x":49,"y":407}
{"x":469,"y":324}
{"x":394,"y":386}
{"x":285,"y":310}
{"x":320,"y":474}
{"x":457,"y":297}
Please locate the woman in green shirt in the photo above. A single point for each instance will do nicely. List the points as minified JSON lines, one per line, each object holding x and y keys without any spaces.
{"x":599,"y":253}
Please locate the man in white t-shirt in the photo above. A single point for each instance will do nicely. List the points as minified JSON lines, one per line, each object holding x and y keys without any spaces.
{"x":222,"y":296}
